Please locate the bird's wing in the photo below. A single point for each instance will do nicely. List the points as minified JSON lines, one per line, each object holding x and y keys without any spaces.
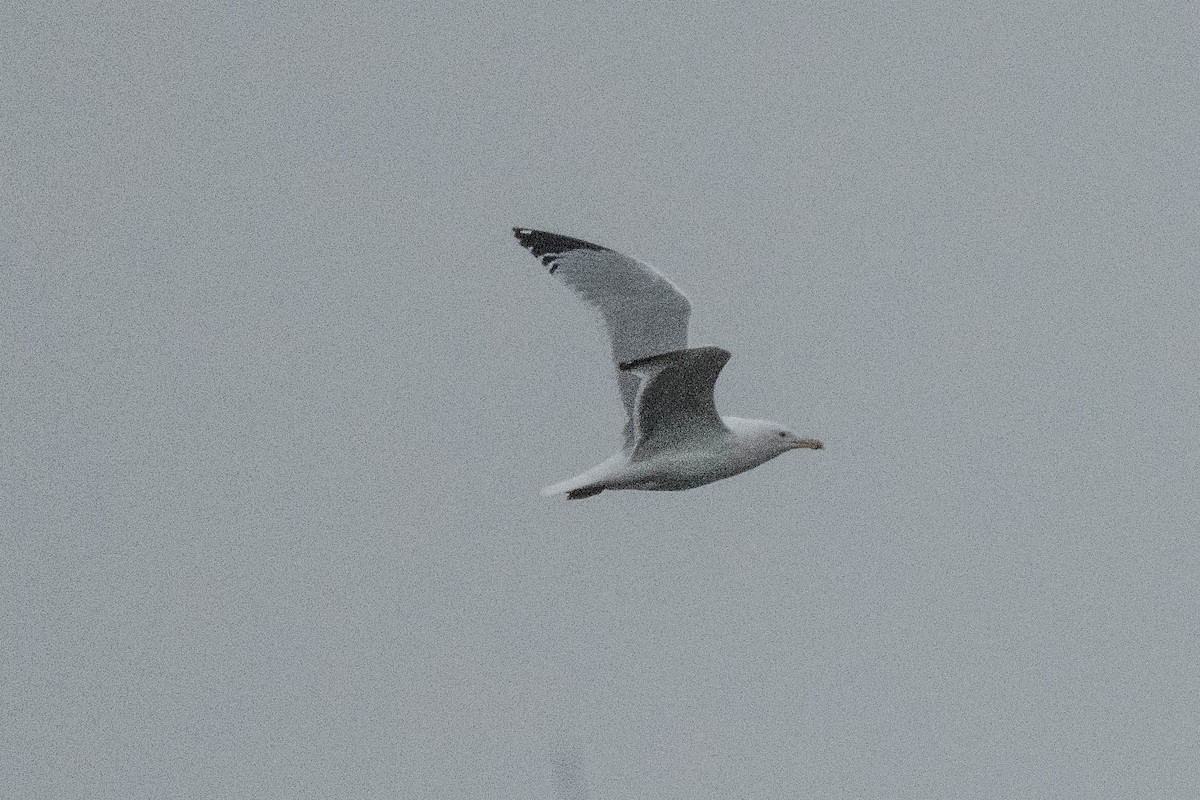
{"x":675,"y":403}
{"x":644,"y":312}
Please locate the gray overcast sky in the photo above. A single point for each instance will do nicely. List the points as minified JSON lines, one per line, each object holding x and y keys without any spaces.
{"x":280,"y":389}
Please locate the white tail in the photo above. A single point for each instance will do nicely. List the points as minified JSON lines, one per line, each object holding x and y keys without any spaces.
{"x":569,"y":485}
{"x":595,"y":478}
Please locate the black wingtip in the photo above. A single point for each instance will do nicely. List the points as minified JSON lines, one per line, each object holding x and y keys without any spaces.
{"x":542,"y":242}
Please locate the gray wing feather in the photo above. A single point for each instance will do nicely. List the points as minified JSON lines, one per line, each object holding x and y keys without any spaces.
{"x":644,"y":313}
{"x":676,"y":399}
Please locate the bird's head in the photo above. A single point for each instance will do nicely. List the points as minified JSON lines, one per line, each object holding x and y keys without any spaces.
{"x":769,"y":437}
{"x":785,"y":440}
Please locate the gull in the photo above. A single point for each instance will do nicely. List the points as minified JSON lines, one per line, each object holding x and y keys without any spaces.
{"x":674,"y":437}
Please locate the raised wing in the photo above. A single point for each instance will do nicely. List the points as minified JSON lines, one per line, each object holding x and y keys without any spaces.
{"x":676,"y":403}
{"x":644,"y":312}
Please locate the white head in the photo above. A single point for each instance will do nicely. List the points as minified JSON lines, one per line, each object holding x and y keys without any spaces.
{"x":767,"y":438}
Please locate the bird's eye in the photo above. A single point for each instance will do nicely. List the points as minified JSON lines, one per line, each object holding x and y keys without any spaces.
{"x":782,"y":435}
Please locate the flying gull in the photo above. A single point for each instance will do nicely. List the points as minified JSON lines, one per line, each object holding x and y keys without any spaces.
{"x":674,"y":437}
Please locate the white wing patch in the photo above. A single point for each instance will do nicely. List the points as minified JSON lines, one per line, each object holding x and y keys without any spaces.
{"x":644,"y":313}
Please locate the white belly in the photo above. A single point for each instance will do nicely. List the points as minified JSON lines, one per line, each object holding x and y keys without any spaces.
{"x":685,"y":469}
